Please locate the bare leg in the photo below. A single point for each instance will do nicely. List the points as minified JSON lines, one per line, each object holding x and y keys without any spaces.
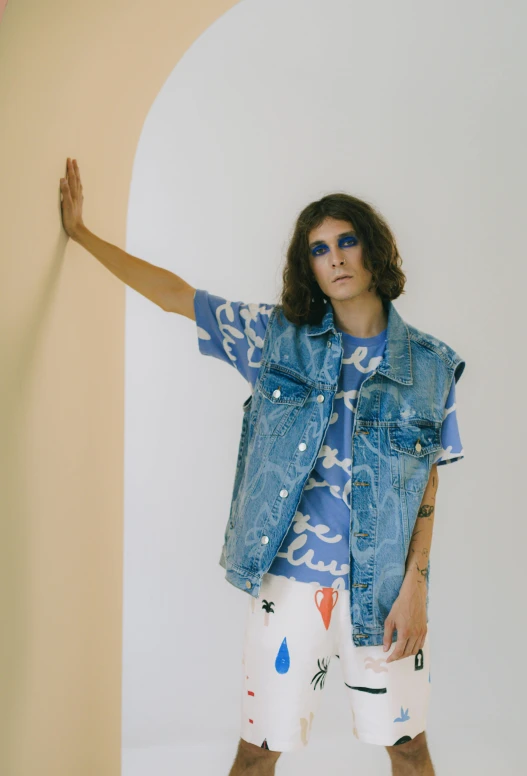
{"x":411,"y":758}
{"x":252,"y":760}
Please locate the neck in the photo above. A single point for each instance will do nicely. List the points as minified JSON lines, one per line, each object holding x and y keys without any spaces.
{"x":361,"y":316}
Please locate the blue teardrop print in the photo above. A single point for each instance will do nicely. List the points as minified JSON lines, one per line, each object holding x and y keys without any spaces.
{"x":282,"y":661}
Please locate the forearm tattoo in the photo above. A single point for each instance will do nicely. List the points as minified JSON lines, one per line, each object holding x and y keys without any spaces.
{"x":422,"y":572}
{"x":425,"y":510}
{"x":418,"y":554}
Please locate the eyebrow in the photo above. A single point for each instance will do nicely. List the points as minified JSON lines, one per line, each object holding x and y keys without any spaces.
{"x":322,"y":242}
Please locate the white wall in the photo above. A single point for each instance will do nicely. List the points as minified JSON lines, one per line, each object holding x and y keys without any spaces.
{"x":414,"y":107}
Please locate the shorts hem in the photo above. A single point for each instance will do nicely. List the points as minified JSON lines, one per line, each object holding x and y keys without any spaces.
{"x":375,"y":739}
{"x":282,"y":746}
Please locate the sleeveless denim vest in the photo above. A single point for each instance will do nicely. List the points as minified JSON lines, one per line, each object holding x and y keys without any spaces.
{"x":397,"y":432}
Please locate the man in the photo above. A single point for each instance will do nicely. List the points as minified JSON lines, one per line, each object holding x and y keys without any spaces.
{"x":330,"y":527}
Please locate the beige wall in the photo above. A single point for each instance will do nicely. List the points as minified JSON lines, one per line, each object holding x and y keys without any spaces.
{"x":76,"y":79}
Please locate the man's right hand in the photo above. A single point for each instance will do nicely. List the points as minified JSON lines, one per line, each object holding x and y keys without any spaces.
{"x":71,"y":199}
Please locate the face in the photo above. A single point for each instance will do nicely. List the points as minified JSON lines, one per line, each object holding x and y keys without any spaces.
{"x":335,"y":250}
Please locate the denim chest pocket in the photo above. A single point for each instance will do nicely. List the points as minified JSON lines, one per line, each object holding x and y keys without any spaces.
{"x":281,"y":397}
{"x":413,"y":447}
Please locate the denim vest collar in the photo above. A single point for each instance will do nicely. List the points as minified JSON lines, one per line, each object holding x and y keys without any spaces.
{"x":397,"y":361}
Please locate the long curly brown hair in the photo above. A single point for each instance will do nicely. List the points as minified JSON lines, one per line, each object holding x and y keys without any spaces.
{"x":379,"y":251}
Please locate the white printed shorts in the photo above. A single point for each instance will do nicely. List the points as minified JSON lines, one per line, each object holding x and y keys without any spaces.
{"x":292,"y":632}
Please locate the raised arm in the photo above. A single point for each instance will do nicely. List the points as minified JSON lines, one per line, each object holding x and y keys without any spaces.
{"x":164,"y":288}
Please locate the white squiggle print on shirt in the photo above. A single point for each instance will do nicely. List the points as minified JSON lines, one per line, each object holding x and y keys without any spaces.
{"x":300,"y":526}
{"x":306,"y":559}
{"x":356,"y":357}
{"x":329,"y":459}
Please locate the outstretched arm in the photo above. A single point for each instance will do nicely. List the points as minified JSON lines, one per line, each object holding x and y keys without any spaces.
{"x":159,"y":285}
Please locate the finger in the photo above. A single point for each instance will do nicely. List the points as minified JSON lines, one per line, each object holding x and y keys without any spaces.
{"x":388,"y":635}
{"x":398,"y":651}
{"x":415,"y":646}
{"x":72,"y":179}
{"x":65,"y":191}
{"x":77,"y":173}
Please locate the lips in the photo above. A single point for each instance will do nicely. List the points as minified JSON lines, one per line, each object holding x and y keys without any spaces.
{"x":342,"y":277}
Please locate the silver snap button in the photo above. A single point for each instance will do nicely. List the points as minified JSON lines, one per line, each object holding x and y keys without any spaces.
{"x":248,"y":584}
{"x":328,"y":344}
{"x":418,"y":447}
{"x":264,"y":539}
{"x":276,"y":393}
{"x":320,"y":397}
{"x":302,"y":446}
{"x":284,"y":493}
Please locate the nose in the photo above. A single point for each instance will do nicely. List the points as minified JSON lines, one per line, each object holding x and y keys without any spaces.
{"x":337,"y":256}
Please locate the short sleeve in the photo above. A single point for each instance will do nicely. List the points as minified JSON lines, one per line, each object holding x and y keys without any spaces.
{"x":234,"y":332}
{"x":452,"y":448}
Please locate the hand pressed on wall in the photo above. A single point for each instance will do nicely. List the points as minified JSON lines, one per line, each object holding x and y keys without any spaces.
{"x":71,"y":199}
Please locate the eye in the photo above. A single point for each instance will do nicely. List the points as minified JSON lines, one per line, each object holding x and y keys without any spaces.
{"x":346,"y":242}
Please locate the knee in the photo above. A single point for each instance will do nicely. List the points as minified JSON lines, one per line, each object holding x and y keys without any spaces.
{"x":252,"y":759}
{"x":255,"y":753}
{"x":415,"y":747}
